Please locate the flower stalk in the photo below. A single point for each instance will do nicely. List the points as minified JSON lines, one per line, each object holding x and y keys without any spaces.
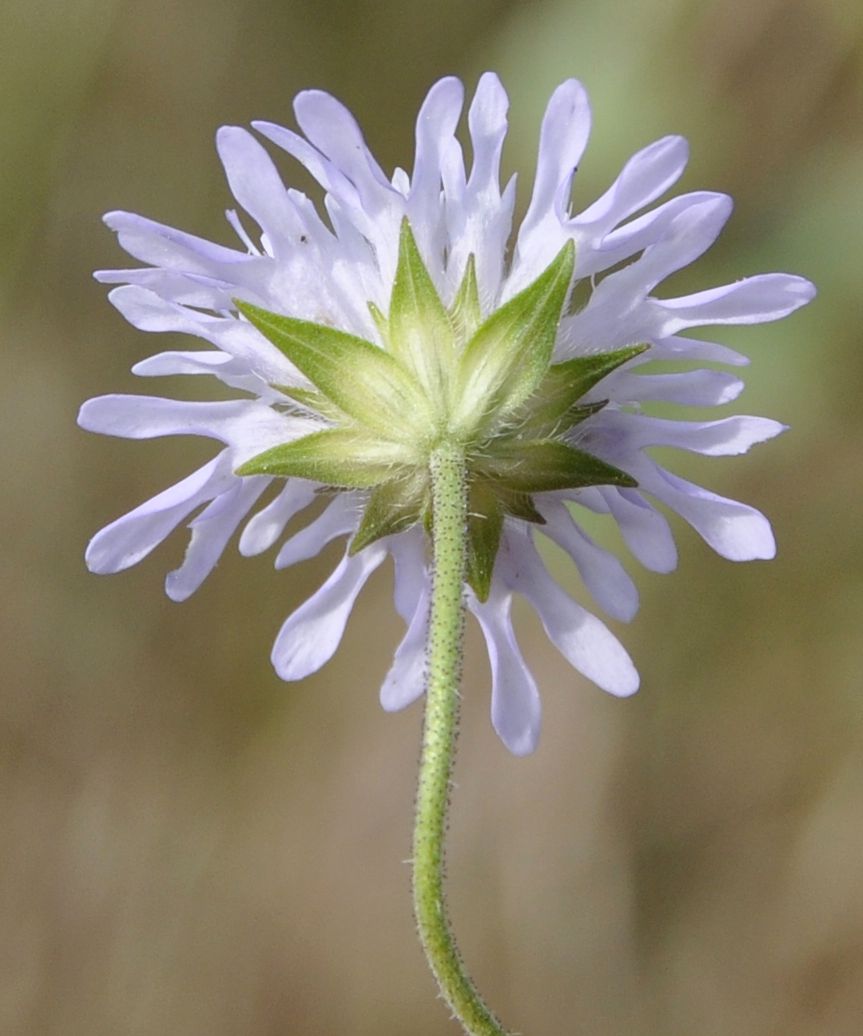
{"x":448,"y":480}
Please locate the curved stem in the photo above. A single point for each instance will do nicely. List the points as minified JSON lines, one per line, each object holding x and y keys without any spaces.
{"x":443,"y":676}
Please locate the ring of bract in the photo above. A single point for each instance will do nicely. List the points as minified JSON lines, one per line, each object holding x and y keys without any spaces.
{"x":487,"y":387}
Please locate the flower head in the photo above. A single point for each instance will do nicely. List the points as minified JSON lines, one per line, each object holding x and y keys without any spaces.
{"x":359,"y":340}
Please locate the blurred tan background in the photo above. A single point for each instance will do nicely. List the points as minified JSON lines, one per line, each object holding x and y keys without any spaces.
{"x":191,"y":847}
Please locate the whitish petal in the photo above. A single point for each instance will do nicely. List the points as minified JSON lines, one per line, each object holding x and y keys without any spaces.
{"x":129,"y":539}
{"x":754,"y":300}
{"x":265,"y":527}
{"x":338,"y":519}
{"x":581,"y":638}
{"x":309,"y":637}
{"x":645,"y":531}
{"x":211,"y":531}
{"x":602,"y":573}
{"x":516,"y":713}
{"x":734,"y":530}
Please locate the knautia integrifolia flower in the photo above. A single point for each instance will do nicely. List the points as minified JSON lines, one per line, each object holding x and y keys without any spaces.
{"x":357,"y":338}
{"x":456,"y":388}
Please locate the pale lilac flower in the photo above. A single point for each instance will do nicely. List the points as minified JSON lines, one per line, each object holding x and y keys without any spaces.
{"x":328,"y":267}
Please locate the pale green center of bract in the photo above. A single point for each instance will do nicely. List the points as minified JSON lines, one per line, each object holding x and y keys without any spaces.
{"x":487,"y":387}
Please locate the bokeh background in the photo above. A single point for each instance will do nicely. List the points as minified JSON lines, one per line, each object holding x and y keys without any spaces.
{"x":190,"y":847}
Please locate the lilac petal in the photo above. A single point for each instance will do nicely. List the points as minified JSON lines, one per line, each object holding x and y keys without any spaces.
{"x":435,"y":130}
{"x":257,"y":186}
{"x":544,"y":230}
{"x":516,"y":712}
{"x":339,"y":518}
{"x":183,"y":362}
{"x":315,"y":228}
{"x":602,"y":573}
{"x":309,"y":637}
{"x":591,"y":497}
{"x":333,"y":181}
{"x":131,"y":538}
{"x":645,"y":531}
{"x":754,"y":300}
{"x":411,"y":572}
{"x":248,"y":426}
{"x":729,"y":437}
{"x":355,"y":181}
{"x":688,"y":236}
{"x":734,"y":530}
{"x":636,"y":235}
{"x":264,"y":528}
{"x":488,"y":125}
{"x":175,"y":286}
{"x":401,"y":181}
{"x":479,"y":221}
{"x":491,"y":248}
{"x":581,"y":638}
{"x":618,"y":312}
{"x":562,"y":139}
{"x":689,"y":388}
{"x":453,"y":179}
{"x":356,"y":267}
{"x":405,"y":681}
{"x":678,"y":347}
{"x":148,"y":312}
{"x":334,"y":131}
{"x":236,"y":224}
{"x":160,"y":245}
{"x":211,"y":531}
{"x":647,"y":175}
{"x":229,"y":371}
{"x":147,"y":417}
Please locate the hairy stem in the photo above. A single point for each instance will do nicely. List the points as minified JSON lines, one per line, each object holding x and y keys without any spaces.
{"x":443,"y":660}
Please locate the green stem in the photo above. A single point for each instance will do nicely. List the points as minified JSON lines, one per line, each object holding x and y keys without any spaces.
{"x":443,"y":661}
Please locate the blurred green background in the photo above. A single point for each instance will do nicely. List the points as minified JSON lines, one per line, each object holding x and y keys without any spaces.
{"x":191,"y":847}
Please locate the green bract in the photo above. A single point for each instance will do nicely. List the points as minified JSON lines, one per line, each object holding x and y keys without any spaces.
{"x":486,"y":387}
